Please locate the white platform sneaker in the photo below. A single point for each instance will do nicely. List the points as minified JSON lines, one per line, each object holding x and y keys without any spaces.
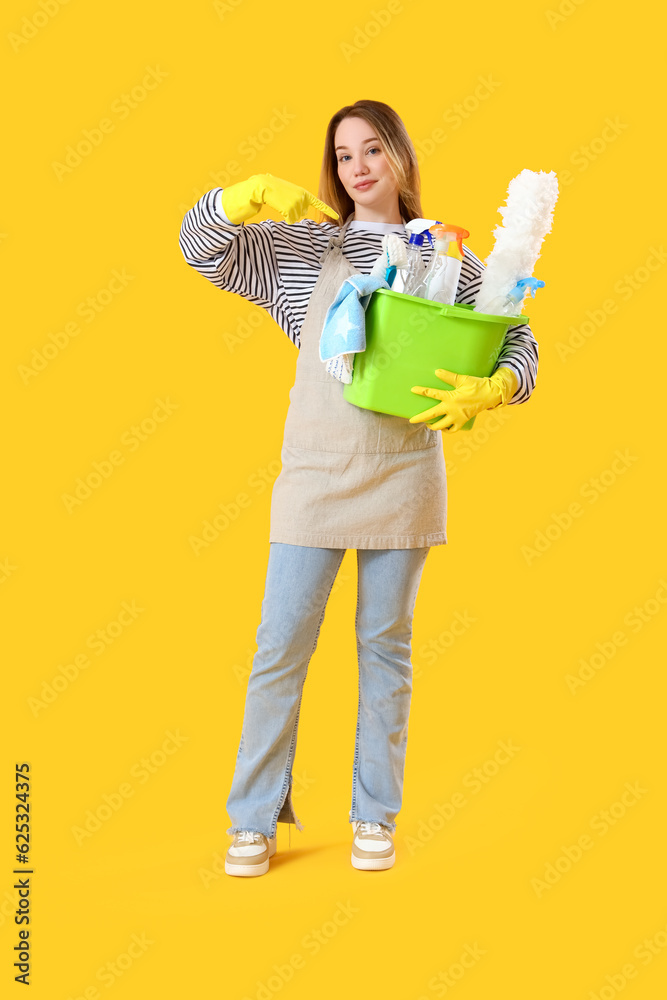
{"x":249,"y":854}
{"x":372,"y":846}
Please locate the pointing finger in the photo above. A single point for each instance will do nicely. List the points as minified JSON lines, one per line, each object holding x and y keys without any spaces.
{"x":322,"y":206}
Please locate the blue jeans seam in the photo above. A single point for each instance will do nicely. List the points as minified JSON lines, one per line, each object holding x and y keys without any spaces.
{"x":292,"y":749}
{"x":355,"y":767}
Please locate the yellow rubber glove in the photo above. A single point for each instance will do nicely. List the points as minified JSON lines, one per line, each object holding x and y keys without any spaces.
{"x":469,"y":397}
{"x":243,"y":200}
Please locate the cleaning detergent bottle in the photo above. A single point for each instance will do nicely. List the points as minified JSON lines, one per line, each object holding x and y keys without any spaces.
{"x":512,"y":303}
{"x":441,"y":279}
{"x":408,"y":277}
{"x":444,"y":278}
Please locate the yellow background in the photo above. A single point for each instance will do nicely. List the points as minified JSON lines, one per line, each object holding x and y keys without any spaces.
{"x":477,"y":880}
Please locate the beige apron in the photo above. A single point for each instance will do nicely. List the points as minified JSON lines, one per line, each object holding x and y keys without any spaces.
{"x":352,"y":478}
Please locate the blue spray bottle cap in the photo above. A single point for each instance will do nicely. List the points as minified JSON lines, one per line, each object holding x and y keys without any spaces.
{"x":419,"y":228}
{"x":522,"y":286}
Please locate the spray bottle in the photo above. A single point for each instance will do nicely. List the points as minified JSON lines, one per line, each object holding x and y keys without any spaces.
{"x":512,"y":303}
{"x":408,"y":277}
{"x":441,"y":279}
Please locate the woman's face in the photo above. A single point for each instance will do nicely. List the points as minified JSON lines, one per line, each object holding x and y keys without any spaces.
{"x":363,"y":169}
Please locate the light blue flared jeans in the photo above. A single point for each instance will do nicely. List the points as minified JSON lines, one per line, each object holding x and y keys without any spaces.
{"x":298,"y":583}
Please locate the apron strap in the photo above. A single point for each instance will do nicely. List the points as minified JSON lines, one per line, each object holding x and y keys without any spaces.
{"x":337,"y":241}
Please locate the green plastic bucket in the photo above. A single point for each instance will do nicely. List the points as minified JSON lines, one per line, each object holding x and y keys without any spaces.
{"x":407,"y":338}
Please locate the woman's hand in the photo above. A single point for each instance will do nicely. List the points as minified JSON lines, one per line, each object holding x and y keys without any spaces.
{"x":243,"y":200}
{"x":469,"y":396}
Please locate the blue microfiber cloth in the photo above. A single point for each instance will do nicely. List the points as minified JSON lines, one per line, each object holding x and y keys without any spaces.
{"x":344,"y":331}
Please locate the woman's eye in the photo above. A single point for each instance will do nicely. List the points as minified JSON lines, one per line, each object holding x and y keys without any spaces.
{"x":370,"y":149}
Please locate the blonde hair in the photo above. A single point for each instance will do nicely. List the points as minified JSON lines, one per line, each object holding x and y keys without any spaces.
{"x":398,"y":149}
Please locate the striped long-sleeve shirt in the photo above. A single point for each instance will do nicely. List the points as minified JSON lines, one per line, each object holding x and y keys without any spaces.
{"x":276,"y":265}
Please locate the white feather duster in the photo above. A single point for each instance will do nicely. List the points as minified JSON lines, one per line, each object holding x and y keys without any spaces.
{"x":527,"y":219}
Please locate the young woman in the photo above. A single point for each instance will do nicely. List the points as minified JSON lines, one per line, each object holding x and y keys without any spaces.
{"x":351,"y":478}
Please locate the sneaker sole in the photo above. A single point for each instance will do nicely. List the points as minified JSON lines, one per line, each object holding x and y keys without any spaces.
{"x":247,"y":870}
{"x":373,"y":864}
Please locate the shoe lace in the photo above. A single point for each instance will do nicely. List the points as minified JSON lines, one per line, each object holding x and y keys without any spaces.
{"x":367,"y":827}
{"x":248,"y":837}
